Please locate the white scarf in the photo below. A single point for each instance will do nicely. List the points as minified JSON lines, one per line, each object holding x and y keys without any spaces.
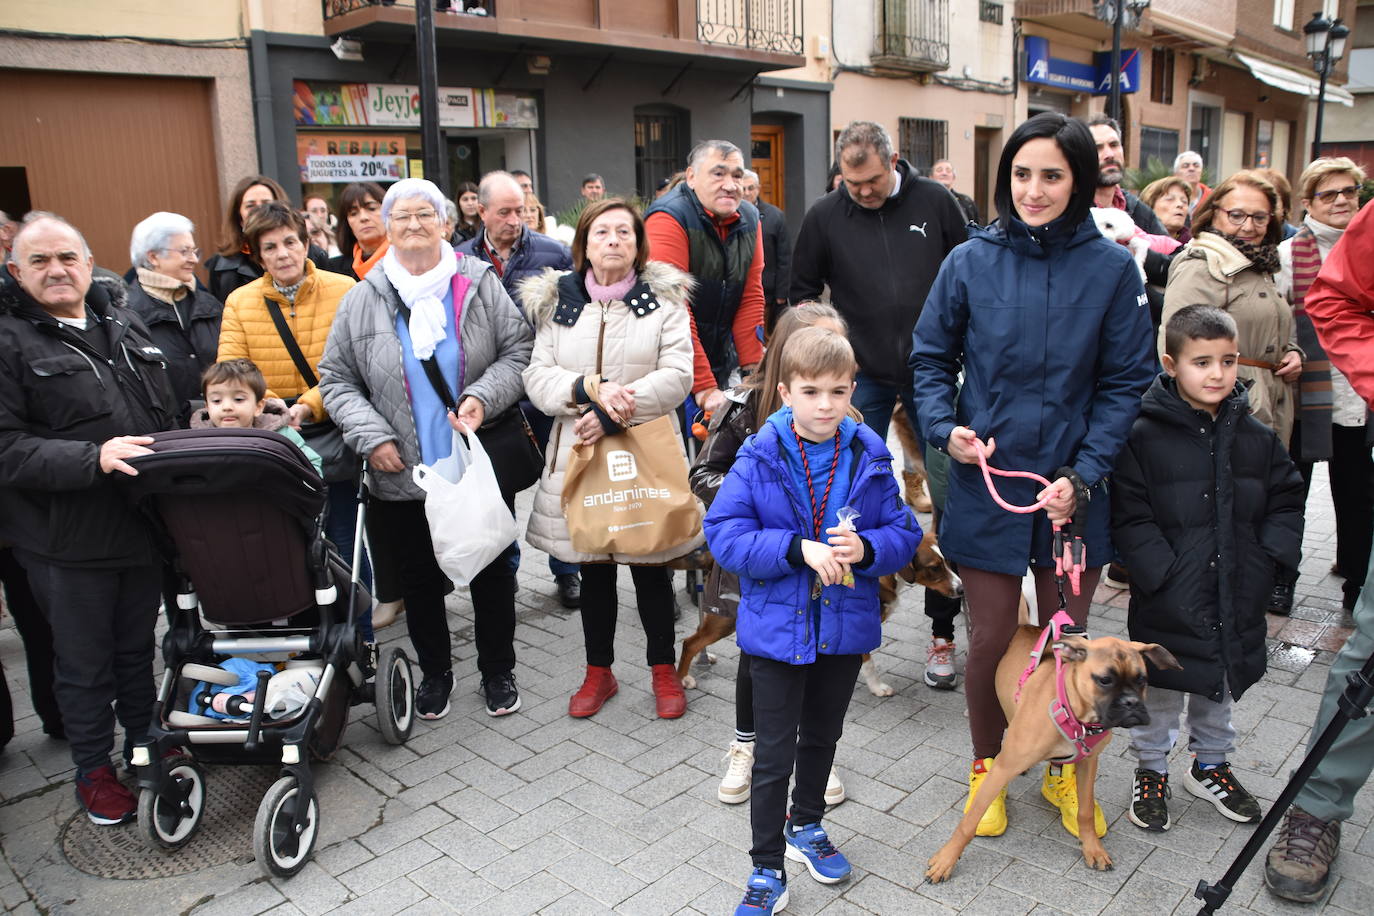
{"x":424,"y":296}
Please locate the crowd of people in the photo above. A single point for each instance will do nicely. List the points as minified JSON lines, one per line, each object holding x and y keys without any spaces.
{"x":1176,"y":400}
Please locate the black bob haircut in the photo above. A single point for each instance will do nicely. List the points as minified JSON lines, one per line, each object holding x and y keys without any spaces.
{"x":1075,"y":142}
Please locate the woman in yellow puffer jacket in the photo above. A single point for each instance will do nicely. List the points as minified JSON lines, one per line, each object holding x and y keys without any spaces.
{"x":307,"y":296}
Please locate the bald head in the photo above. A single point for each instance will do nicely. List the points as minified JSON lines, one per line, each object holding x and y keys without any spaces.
{"x":499,"y":202}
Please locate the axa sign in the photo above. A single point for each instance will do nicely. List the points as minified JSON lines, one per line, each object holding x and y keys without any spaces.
{"x":1094,"y":78}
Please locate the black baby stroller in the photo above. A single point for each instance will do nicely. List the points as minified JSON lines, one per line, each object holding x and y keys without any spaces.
{"x":239,"y":519}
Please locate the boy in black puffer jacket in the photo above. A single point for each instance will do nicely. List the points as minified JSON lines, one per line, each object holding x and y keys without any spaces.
{"x":1205,"y":501}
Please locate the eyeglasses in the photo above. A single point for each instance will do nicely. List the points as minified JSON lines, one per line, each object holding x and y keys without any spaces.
{"x":190,"y":254}
{"x":1238,"y":218}
{"x":426,"y":217}
{"x":1326,"y":197}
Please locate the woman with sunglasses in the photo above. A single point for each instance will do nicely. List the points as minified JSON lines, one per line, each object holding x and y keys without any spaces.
{"x":1333,"y":421}
{"x":1230,"y":264}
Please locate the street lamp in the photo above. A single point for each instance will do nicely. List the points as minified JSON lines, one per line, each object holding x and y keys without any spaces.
{"x":1325,"y":45}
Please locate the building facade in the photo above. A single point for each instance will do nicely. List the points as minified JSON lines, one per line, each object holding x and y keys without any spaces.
{"x":1227,"y":78}
{"x":115,"y":111}
{"x":558,"y":88}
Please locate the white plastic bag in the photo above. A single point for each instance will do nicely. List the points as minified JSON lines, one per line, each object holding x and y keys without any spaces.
{"x":468,"y":521}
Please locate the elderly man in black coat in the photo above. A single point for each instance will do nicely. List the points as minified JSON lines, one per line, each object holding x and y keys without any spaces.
{"x":81,"y":387}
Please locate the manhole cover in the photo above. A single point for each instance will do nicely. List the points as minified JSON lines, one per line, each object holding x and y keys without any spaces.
{"x":225,"y":833}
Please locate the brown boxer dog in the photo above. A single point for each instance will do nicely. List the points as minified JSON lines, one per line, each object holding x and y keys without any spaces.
{"x":1104,"y":680}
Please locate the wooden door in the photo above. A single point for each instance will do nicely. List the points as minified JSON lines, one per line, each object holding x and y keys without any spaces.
{"x":765,"y":156}
{"x":106,"y":151}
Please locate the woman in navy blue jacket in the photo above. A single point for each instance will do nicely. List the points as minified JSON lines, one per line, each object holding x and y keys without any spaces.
{"x":1048,"y":322}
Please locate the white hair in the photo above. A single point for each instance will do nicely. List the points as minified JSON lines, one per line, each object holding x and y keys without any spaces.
{"x":34,"y":217}
{"x":407,"y":188}
{"x":751,"y":175}
{"x":1185,"y":157}
{"x":153,"y":234}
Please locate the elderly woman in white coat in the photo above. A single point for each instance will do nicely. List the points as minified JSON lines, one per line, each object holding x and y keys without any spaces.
{"x":613,"y":348}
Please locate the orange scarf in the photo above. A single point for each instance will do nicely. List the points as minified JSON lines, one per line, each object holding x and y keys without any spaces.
{"x":361,"y":267}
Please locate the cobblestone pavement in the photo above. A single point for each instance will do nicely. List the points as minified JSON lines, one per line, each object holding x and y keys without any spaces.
{"x":539,"y":813}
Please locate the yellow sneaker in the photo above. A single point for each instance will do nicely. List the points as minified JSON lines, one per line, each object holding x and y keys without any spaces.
{"x":1061,"y":791}
{"x":994,"y":820}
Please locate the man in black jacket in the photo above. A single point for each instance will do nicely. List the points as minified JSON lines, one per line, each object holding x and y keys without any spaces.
{"x":878,"y":240}
{"x":777,"y":250}
{"x":81,"y":386}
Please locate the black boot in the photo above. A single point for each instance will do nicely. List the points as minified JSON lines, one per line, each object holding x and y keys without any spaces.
{"x":1281,"y":601}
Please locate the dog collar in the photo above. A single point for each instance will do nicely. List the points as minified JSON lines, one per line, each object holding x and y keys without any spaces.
{"x":1084,"y":736}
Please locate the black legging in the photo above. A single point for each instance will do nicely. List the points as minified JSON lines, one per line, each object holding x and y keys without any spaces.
{"x":402,"y":553}
{"x":653,"y":595}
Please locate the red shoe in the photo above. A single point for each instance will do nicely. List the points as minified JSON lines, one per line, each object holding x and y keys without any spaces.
{"x":104,"y":797}
{"x":668,"y":695}
{"x":600,"y":685}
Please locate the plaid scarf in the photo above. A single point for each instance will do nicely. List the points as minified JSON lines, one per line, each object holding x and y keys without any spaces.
{"x":1263,"y":257}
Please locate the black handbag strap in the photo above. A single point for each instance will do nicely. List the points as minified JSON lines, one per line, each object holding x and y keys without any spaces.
{"x":289,"y":341}
{"x":432,"y":370}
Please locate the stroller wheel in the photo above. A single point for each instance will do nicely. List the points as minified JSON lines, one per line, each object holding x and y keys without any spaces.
{"x":213,"y":674}
{"x":170,"y":819}
{"x":395,"y":695}
{"x":280,"y":851}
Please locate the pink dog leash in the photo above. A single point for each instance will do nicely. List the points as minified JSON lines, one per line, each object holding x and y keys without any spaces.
{"x":1069,"y":553}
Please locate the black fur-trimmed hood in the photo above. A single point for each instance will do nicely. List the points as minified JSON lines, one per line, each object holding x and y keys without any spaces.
{"x":660,"y":284}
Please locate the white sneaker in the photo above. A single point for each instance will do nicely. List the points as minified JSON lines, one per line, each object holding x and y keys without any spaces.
{"x":940,"y":672}
{"x":834,"y":789}
{"x":739,"y":775}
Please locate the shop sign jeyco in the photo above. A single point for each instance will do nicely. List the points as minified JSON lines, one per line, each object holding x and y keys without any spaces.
{"x":396,"y":105}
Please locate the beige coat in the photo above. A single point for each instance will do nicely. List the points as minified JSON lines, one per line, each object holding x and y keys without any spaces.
{"x":1210,"y":271}
{"x":645,"y":345}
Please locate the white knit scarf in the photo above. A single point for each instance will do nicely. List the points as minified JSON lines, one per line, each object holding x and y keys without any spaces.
{"x":424,"y":296}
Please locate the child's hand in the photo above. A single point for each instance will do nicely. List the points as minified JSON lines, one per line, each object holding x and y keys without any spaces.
{"x":821,"y":558}
{"x":846,"y":544}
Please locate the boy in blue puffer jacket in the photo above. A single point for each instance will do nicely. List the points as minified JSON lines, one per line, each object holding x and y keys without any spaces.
{"x":809,"y":594}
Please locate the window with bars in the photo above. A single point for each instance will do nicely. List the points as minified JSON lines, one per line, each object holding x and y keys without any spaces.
{"x":990,"y":11}
{"x":922,"y":141}
{"x":1162,"y":76}
{"x":1158,"y":143}
{"x":660,"y":132}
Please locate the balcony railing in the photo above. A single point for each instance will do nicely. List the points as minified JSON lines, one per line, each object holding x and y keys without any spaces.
{"x":762,"y":25}
{"x":333,"y":8}
{"x":912,"y":35}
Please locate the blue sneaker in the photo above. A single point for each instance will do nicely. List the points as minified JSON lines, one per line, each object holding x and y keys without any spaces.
{"x":809,"y":844}
{"x":765,"y":894}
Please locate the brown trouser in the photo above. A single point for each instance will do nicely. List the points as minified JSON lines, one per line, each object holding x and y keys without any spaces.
{"x":992,"y":620}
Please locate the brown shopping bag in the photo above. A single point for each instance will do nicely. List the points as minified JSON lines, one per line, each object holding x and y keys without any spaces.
{"x":628,"y":494}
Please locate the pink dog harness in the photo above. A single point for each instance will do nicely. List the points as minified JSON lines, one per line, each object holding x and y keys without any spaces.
{"x":1084,"y":736}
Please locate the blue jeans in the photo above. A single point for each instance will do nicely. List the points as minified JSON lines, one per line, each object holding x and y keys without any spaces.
{"x":875,"y":400}
{"x":340,"y":526}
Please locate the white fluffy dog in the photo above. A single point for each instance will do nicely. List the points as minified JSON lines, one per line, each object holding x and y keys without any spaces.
{"x":1118,"y":226}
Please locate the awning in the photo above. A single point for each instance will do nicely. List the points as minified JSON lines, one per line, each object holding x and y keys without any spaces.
{"x":1290,"y":80}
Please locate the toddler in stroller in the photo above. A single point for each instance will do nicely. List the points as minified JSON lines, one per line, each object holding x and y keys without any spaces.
{"x":225,"y":503}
